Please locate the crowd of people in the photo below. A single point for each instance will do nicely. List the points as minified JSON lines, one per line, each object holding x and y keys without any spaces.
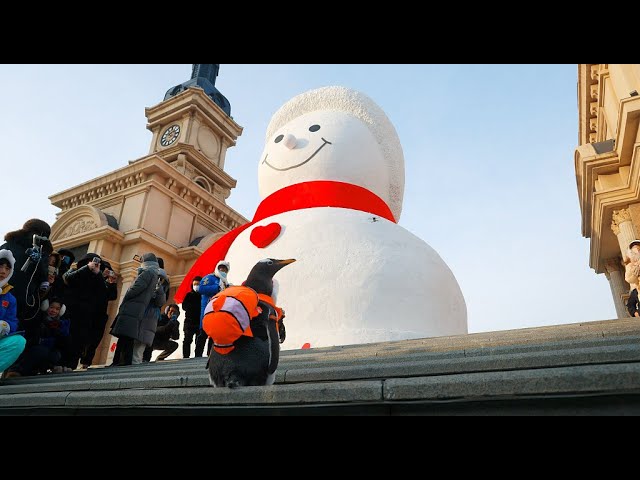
{"x":54,"y":309}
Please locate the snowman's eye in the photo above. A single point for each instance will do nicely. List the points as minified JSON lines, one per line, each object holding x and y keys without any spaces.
{"x":279,"y":138}
{"x":314,"y":128}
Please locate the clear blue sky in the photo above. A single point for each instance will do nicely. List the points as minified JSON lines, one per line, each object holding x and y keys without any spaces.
{"x":489,"y":150}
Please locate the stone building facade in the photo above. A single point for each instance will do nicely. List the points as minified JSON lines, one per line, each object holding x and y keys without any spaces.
{"x":170,"y":202}
{"x":607,"y":164}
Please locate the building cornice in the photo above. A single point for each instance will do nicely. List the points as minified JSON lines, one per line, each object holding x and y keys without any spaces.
{"x":604,"y":204}
{"x":589,"y":94}
{"x":142,"y":175}
{"x":589,"y":164}
{"x":195,"y":158}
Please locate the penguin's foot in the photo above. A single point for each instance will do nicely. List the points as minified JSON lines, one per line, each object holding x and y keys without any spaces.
{"x":271,"y":378}
{"x":235,"y":381}
{"x":211,"y":381}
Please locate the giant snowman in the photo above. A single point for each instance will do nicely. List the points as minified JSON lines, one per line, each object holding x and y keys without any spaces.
{"x":331,"y":179}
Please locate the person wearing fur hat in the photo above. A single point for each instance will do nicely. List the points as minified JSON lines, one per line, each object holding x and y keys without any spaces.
{"x":27,"y":283}
{"x":209,"y":286}
{"x":128,"y":325}
{"x":87,"y":294}
{"x":11,"y":345}
{"x":47,"y":340}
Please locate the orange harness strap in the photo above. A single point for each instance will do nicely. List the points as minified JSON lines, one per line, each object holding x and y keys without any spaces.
{"x":279,"y":312}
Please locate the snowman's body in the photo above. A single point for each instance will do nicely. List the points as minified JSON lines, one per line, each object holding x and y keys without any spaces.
{"x":358,"y":278}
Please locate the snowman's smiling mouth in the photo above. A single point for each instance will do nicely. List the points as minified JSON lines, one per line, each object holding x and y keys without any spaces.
{"x":301,"y":163}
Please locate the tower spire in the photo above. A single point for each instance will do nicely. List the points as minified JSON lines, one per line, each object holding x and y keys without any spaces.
{"x":203,"y":75}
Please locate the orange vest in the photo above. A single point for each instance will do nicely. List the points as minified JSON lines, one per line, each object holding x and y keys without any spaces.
{"x":228,"y":316}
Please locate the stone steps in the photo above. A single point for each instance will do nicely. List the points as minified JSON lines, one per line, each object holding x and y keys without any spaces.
{"x":180,"y":373}
{"x":596,"y":360}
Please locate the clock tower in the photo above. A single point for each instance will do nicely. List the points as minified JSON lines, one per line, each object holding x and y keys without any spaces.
{"x":171,"y":202}
{"x":193,"y":128}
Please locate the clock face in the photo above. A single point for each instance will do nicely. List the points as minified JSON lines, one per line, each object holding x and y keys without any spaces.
{"x":170,"y":135}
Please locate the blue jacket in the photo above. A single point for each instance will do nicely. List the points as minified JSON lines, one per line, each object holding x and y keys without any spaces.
{"x":209,"y":286}
{"x":51,"y":330}
{"x":9,"y":308}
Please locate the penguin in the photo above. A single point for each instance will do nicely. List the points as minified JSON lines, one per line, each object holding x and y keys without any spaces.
{"x":254,"y":359}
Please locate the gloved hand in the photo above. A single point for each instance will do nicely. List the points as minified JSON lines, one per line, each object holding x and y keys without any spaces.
{"x":44,"y":285}
{"x":34,"y":254}
{"x":5,"y":328}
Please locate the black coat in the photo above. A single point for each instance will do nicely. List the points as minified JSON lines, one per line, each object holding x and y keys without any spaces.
{"x":25,"y":288}
{"x":87,"y":294}
{"x":191,"y":307}
{"x":167,"y":330}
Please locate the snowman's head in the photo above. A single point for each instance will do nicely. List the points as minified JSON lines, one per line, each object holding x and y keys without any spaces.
{"x":333,"y":133}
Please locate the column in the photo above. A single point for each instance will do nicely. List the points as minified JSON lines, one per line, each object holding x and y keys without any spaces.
{"x":622,"y":227}
{"x":615,"y":275}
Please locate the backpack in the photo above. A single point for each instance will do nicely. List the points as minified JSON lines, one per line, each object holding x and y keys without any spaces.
{"x":228,"y":316}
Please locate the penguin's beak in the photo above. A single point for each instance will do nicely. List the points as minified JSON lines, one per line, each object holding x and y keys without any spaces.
{"x":285,"y":262}
{"x":279,"y":264}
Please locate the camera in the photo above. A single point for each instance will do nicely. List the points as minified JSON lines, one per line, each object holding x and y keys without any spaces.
{"x":35,"y":252}
{"x":38,"y":240}
{"x":96,"y":260}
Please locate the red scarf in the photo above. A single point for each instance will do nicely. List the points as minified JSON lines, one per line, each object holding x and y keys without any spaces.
{"x":321,"y":193}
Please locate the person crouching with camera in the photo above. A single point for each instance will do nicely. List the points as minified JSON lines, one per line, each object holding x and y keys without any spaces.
{"x":168,"y":330}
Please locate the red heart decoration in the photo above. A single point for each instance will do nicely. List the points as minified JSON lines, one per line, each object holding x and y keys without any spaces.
{"x":263,"y":236}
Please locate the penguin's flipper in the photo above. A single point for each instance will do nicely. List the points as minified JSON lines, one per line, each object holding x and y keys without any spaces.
{"x":274,"y":345}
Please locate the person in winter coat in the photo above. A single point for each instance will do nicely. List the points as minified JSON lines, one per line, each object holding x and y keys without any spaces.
{"x":150,"y":318}
{"x":191,"y":307}
{"x":47,"y":340}
{"x":97,"y":327}
{"x":49,"y":288}
{"x":26,"y":284}
{"x":88,"y":292}
{"x":11,"y":345}
{"x":209,"y":286}
{"x":167,"y":331}
{"x":62,"y":261}
{"x":129,"y":325}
